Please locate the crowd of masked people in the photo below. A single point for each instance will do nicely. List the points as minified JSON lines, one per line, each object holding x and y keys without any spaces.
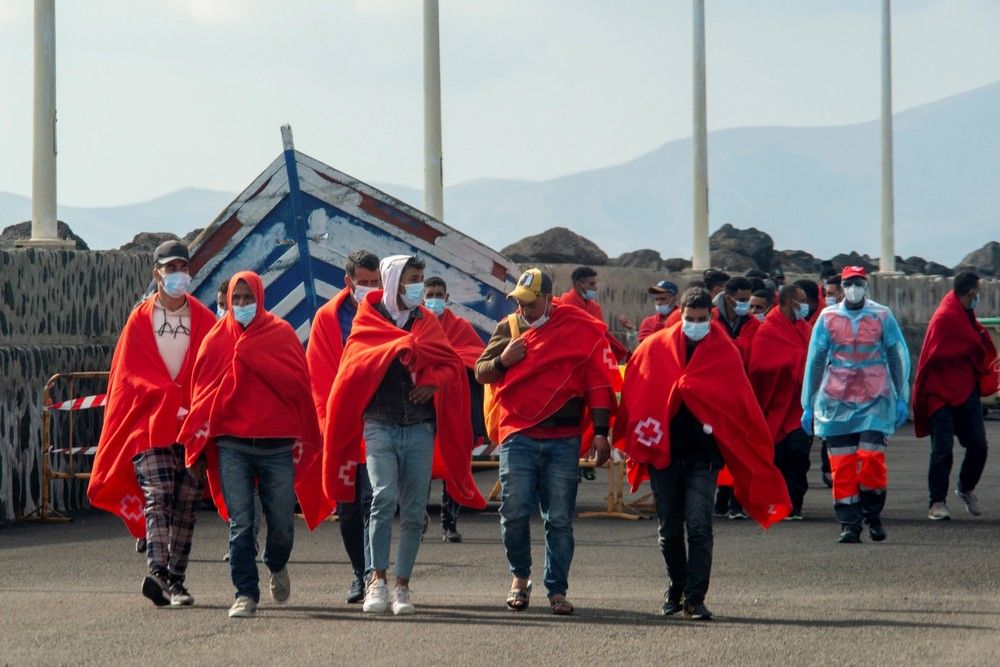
{"x":725,"y":386}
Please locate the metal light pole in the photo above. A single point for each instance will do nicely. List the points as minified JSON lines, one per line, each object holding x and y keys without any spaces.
{"x":888,"y":260}
{"x":701,"y":258}
{"x":433,"y":169}
{"x":44,"y":226}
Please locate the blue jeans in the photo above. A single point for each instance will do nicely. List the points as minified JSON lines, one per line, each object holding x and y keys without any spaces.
{"x":275,"y":474}
{"x":533,"y":474}
{"x":683,"y":495}
{"x":399,"y":467}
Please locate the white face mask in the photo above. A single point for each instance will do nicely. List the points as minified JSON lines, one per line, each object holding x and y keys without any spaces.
{"x":855,"y":293}
{"x":696,"y":330}
{"x":542,"y":319}
{"x":360,"y":292}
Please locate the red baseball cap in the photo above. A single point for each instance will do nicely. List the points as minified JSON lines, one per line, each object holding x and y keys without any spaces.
{"x":853,"y":272}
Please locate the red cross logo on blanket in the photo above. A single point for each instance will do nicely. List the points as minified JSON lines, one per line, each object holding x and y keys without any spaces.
{"x":297,"y":449}
{"x":609,"y":358}
{"x":131,"y":507}
{"x":649,"y":432}
{"x":347,"y":473}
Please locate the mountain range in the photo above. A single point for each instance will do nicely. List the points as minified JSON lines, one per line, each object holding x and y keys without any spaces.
{"x":810,"y":188}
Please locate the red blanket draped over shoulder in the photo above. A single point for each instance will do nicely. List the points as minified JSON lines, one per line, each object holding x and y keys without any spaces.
{"x":375,"y":342}
{"x":567,"y":357}
{"x":658,"y":380}
{"x":957,"y":357}
{"x":326,"y":346}
{"x":777,"y":367}
{"x":143,"y":410}
{"x":463,"y":338}
{"x":254,"y":383}
{"x":592,"y":308}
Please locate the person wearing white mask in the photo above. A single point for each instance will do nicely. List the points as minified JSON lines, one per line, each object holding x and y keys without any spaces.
{"x":855,"y":394}
{"x":330,"y":330}
{"x":139,"y":471}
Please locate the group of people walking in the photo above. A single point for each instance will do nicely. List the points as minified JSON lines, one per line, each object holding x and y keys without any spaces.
{"x":724,"y":390}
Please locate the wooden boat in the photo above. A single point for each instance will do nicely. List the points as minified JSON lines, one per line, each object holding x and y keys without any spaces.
{"x":298,"y":221}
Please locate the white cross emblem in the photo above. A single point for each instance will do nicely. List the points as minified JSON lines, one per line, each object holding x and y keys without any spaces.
{"x":131,"y":507}
{"x":347,"y":473}
{"x":609,"y":358}
{"x":649,"y":432}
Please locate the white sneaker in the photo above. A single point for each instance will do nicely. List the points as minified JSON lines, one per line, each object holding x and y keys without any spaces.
{"x":244,"y":607}
{"x":939,"y":512}
{"x":401,"y":601}
{"x":281,"y":586}
{"x":971,"y":502}
{"x":376,"y":597}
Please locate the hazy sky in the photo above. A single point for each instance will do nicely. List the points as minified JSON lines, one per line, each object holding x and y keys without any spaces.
{"x":159,"y":95}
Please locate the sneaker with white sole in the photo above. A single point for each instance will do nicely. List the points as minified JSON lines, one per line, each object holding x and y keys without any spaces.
{"x":244,"y":607}
{"x":179,"y":596}
{"x":938,"y":512}
{"x":281,"y":586}
{"x":401,"y":601}
{"x":971,"y":502}
{"x":376,"y":597}
{"x":156,"y":588}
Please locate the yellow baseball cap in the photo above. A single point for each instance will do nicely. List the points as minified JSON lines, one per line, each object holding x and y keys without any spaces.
{"x":532,"y":284}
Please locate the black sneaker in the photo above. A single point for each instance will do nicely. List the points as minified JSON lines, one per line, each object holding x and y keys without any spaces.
{"x":697,"y":612}
{"x":877,"y":532}
{"x":356,"y":593}
{"x":179,"y":596}
{"x":850,"y":535}
{"x":451,"y":535}
{"x":427,"y":522}
{"x":671,"y":607}
{"x":140,"y":545}
{"x":155,"y":587}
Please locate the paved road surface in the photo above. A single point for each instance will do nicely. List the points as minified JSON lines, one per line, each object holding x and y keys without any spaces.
{"x":930,"y":594}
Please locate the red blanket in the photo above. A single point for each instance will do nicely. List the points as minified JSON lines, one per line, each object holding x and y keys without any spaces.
{"x":658,"y":380}
{"x":957,"y":357}
{"x":592,"y":308}
{"x":777,"y":367}
{"x":565,"y":358}
{"x":254,"y":383}
{"x":326,"y":346}
{"x":375,"y":343}
{"x":143,"y":410}
{"x":463,"y":338}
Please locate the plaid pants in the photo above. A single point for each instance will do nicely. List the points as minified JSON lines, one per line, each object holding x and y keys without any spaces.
{"x":172,"y":493}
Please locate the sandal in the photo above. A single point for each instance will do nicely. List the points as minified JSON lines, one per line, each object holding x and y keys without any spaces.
{"x":518,"y":598}
{"x":561,"y":606}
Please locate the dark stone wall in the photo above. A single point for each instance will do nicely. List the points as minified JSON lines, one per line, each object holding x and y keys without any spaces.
{"x":60,"y":311}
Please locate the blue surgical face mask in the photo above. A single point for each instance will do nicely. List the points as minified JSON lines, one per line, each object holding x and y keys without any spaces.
{"x":220,"y":312}
{"x":974,"y":302}
{"x":696,"y":330}
{"x":245,"y":314}
{"x":760,"y":316}
{"x":802,"y":312}
{"x":590,"y":294}
{"x":831,"y":301}
{"x":413,"y":294}
{"x":176,"y":284}
{"x":435,"y":305}
{"x":742,"y":308}
{"x":663,"y":308}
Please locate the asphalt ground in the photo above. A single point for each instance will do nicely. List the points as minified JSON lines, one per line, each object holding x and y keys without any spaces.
{"x":929,"y":595}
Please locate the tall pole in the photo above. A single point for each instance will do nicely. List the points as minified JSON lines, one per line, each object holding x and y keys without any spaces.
{"x":44,"y":228}
{"x":888,"y":260}
{"x":701,"y":258}
{"x":433,"y":169}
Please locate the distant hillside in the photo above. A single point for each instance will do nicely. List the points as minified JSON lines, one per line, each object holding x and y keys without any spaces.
{"x":814,"y":189}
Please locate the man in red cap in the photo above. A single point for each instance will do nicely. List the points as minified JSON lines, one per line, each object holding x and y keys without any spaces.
{"x":855,"y":395}
{"x":957,"y":365}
